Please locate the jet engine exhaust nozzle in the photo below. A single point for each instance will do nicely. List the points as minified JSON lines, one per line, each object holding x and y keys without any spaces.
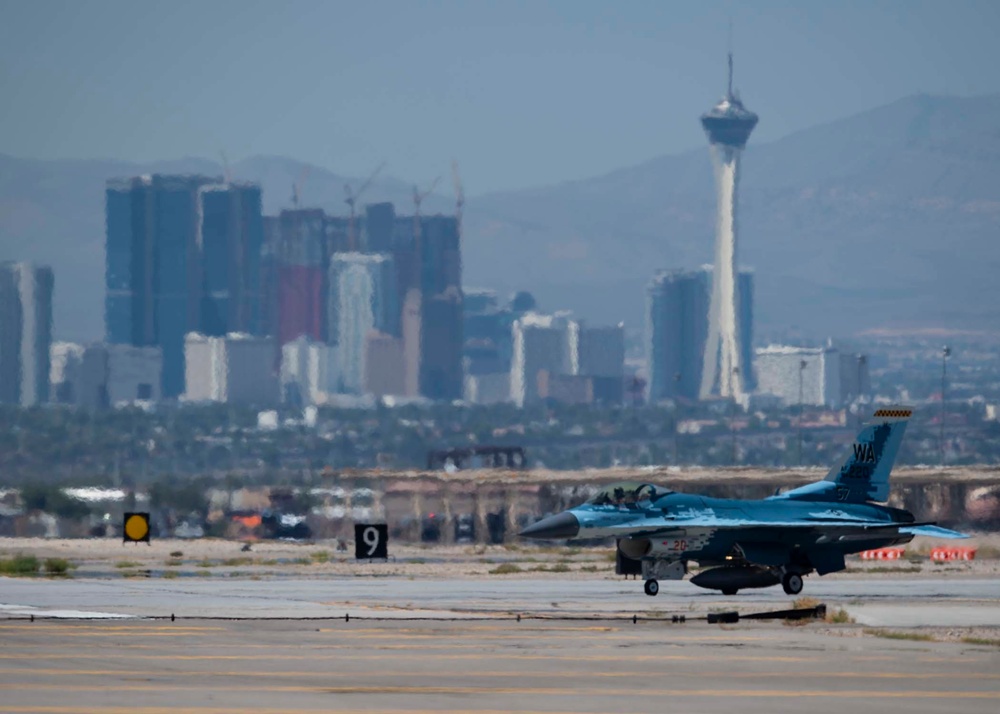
{"x":561,"y":525}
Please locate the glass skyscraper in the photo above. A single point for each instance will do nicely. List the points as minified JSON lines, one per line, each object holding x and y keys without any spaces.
{"x":181,"y":257}
{"x":677,"y":307}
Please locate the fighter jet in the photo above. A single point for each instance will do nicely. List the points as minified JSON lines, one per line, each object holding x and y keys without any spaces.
{"x":755,"y":543}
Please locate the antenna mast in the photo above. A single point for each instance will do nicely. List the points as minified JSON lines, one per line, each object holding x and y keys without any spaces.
{"x":729,"y":90}
{"x":459,"y":196}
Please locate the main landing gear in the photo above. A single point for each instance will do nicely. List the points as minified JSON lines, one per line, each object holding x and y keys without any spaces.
{"x":652,"y":587}
{"x":791,"y":583}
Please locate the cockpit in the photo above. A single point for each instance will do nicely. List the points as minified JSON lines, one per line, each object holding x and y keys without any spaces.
{"x":627,"y":493}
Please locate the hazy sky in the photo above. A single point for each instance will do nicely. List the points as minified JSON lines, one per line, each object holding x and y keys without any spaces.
{"x":521,"y":93}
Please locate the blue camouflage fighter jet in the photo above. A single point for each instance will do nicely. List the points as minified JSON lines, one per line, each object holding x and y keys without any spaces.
{"x":755,"y":544}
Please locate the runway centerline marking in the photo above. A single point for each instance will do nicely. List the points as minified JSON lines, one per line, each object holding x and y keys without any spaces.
{"x":488,"y":674}
{"x":534,"y":691}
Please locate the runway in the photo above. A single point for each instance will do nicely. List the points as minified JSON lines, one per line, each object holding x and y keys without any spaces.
{"x":143,"y":667}
{"x":469,"y":652}
{"x":881,"y":602}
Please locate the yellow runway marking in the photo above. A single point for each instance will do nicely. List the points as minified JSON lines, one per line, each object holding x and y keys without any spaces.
{"x":421,"y":657}
{"x":64,"y":626}
{"x":420,"y":638}
{"x":29,"y":671}
{"x":533,"y":691}
{"x":230,"y":710}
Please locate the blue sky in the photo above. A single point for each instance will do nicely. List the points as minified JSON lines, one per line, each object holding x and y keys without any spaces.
{"x":521,"y":93}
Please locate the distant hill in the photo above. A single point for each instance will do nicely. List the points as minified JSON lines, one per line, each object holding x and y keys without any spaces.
{"x":889,"y":218}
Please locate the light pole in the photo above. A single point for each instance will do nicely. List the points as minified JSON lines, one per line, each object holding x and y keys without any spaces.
{"x":862,"y":361}
{"x":677,"y":413}
{"x":732,"y":413}
{"x":802,"y":369}
{"x":945,"y":354}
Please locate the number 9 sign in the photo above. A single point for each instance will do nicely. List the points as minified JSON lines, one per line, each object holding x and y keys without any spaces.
{"x":371,"y":540}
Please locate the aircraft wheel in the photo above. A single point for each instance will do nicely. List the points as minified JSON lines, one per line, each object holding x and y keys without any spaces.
{"x":729,"y":591}
{"x":651,"y":587}
{"x":792,"y":583}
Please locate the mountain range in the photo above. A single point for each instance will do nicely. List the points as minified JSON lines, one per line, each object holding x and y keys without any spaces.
{"x":889,"y":218}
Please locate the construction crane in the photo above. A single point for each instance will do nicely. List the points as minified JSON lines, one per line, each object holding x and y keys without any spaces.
{"x":351,"y":200}
{"x":297,"y":187}
{"x":225,"y":167}
{"x":418,"y":198}
{"x":459,"y":196}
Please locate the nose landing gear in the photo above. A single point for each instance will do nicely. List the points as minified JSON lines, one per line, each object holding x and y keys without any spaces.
{"x":652,"y":587}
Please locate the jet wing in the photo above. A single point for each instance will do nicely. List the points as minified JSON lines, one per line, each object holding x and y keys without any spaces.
{"x":829,"y":529}
{"x":931,"y":531}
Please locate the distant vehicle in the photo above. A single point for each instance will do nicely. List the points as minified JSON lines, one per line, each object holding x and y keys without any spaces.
{"x":465,"y":528}
{"x":755,"y":544}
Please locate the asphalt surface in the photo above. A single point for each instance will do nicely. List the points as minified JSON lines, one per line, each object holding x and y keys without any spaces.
{"x":470,"y":653}
{"x":882,"y":602}
{"x":147,"y":667}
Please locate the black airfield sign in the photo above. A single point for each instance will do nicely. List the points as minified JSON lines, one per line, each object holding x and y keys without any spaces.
{"x":371,"y":540}
{"x":135,"y":528}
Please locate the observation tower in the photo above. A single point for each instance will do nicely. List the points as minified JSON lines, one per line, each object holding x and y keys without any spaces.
{"x":728,"y":125}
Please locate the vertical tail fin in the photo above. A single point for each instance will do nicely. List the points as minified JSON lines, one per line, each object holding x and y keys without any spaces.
{"x":864,"y":475}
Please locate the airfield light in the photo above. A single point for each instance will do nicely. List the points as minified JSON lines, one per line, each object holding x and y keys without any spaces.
{"x":945,"y":354}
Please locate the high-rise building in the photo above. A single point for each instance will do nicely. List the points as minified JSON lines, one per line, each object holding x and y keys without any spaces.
{"x":154,"y":266}
{"x":800,"y":375}
{"x":725,"y":372}
{"x":379,"y":228}
{"x":299,"y":270}
{"x":429,"y":270}
{"x":486,"y":334}
{"x":235,"y":369}
{"x":597,"y":351}
{"x":230,"y":238}
{"x":677,"y":327}
{"x":361,"y":298}
{"x":597,"y":356}
{"x":25,"y":333}
{"x":855,"y":380}
{"x":441,"y":376}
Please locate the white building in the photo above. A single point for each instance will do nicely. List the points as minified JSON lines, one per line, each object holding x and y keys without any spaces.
{"x":597,"y":351}
{"x":780,"y":368}
{"x":78,"y":375}
{"x":309,"y":372}
{"x":362,"y":298}
{"x":492,"y":388}
{"x":541,"y":342}
{"x":235,"y":369}
{"x":99,"y":375}
{"x":134,"y":374}
{"x":25,"y":333}
{"x":561,"y":346}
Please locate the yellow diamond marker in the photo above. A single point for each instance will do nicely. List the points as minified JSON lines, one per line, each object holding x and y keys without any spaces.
{"x":136,"y":527}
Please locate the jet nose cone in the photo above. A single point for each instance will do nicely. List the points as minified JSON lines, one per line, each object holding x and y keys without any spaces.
{"x":561,"y":525}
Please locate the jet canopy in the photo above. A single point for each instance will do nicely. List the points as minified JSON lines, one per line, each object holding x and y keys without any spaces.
{"x":625,"y":493}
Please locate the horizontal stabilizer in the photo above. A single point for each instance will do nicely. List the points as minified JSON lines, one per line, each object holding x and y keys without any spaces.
{"x":932,"y":532}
